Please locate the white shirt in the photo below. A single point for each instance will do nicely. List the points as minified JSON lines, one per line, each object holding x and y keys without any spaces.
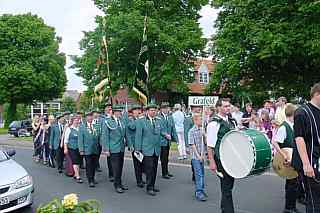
{"x":178,"y":118}
{"x":281,"y":134}
{"x":212,"y":132}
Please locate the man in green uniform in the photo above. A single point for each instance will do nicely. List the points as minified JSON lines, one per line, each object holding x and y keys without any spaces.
{"x":147,"y":141}
{"x":107,"y":115}
{"x":88,"y":142}
{"x":113,"y":143}
{"x":131,"y":133}
{"x":55,"y":142}
{"x":169,"y":135}
{"x":97,"y":121}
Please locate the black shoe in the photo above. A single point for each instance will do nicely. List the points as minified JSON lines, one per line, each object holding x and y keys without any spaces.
{"x":151,"y":193}
{"x":111,"y":179}
{"x":156,"y":190}
{"x":91,"y":185}
{"x":302,"y":201}
{"x":166,"y":177}
{"x":119,"y":190}
{"x":79,"y":180}
{"x":140,"y":185}
{"x":95,"y":182}
{"x":98,"y":170}
{"x":170,"y":175}
{"x":143,"y":182}
{"x":124,"y":187}
{"x":291,"y":211}
{"x":60,"y":171}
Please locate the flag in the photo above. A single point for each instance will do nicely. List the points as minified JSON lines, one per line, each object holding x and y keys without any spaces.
{"x":140,"y":87}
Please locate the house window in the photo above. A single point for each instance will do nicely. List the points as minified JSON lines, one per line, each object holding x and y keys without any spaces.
{"x":203,"y":74}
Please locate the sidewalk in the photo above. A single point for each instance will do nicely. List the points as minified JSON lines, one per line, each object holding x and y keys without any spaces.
{"x":26,"y":142}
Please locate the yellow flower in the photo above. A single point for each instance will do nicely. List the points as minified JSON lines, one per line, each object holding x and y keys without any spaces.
{"x":70,"y":201}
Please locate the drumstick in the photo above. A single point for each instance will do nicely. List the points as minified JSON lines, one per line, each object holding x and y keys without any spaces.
{"x":219,"y":174}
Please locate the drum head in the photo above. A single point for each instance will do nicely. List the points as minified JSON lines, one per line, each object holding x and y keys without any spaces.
{"x":237,"y":154}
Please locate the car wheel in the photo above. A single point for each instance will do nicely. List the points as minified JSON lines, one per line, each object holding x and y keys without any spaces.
{"x":16,"y":135}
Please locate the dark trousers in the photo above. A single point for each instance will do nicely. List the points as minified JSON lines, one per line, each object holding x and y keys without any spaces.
{"x":109,"y":165}
{"x":291,"y":193}
{"x":164,"y":158}
{"x":226,"y":184}
{"x":99,"y":154}
{"x":150,"y":164}
{"x":117,"y":160}
{"x":59,"y":158}
{"x":312,"y":186}
{"x":91,"y":165}
{"x":138,"y":166}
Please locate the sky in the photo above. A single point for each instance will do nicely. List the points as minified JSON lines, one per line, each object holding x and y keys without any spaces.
{"x":71,"y":17}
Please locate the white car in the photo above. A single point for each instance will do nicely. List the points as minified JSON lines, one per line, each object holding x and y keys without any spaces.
{"x":16,"y":185}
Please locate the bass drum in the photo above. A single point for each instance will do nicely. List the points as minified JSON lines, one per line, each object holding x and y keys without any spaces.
{"x":245,"y":153}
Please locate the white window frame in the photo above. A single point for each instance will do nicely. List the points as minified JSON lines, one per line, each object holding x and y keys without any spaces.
{"x":203,"y":74}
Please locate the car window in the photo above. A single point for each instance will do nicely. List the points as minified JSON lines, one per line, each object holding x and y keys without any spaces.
{"x":15,"y":124}
{"x":3,"y":156}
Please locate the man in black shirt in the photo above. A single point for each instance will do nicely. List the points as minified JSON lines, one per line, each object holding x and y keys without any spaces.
{"x":307,"y":150}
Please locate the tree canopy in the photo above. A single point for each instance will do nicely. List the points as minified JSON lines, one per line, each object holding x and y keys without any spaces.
{"x":267,"y":45}
{"x":173,"y":38}
{"x":31,"y":66}
{"x":68,"y":105}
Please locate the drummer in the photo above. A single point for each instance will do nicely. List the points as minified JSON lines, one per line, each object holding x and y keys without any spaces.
{"x":284,"y":138}
{"x":220,"y":125}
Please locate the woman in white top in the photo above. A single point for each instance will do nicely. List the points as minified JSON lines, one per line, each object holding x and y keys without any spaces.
{"x":71,"y":147}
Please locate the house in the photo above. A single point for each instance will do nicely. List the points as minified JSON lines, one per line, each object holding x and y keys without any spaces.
{"x":40,"y":108}
{"x":202,"y":72}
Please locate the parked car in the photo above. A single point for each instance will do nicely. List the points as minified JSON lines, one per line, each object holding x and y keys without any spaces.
{"x":20,"y":128}
{"x":16,"y":185}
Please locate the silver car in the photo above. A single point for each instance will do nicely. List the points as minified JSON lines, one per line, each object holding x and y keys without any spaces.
{"x":16,"y":185}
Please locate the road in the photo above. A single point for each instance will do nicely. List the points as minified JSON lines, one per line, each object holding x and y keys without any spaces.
{"x":261,"y":194}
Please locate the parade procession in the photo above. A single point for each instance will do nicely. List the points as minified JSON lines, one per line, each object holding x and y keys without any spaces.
{"x":159,"y":106}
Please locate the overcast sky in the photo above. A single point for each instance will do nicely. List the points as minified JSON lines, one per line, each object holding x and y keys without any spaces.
{"x":71,"y":17}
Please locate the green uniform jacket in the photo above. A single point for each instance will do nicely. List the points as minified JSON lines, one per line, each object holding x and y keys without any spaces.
{"x":168,"y":128}
{"x":188,"y":124}
{"x":289,"y":140}
{"x":113,"y":136}
{"x":88,"y":141}
{"x":55,"y":136}
{"x":148,"y":136}
{"x":73,"y":139}
{"x":131,"y":132}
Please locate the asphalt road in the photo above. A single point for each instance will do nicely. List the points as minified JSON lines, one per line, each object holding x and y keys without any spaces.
{"x":260,"y":194}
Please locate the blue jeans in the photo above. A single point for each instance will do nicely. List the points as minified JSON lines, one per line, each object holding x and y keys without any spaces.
{"x":199,"y":175}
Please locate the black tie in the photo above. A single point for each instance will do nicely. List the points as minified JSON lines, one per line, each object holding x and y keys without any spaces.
{"x":119,"y":124}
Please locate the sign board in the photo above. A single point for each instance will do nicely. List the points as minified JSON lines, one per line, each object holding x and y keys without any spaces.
{"x":202,"y":100}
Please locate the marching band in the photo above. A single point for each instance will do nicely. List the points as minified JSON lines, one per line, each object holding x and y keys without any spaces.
{"x":232,"y":153}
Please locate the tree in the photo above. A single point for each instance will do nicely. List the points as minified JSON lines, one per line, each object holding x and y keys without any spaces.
{"x":173,"y":40}
{"x":267,"y":47}
{"x":31,"y":66}
{"x":68,"y":104}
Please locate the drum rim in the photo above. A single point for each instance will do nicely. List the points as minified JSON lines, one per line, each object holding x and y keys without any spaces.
{"x":251,"y":143}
